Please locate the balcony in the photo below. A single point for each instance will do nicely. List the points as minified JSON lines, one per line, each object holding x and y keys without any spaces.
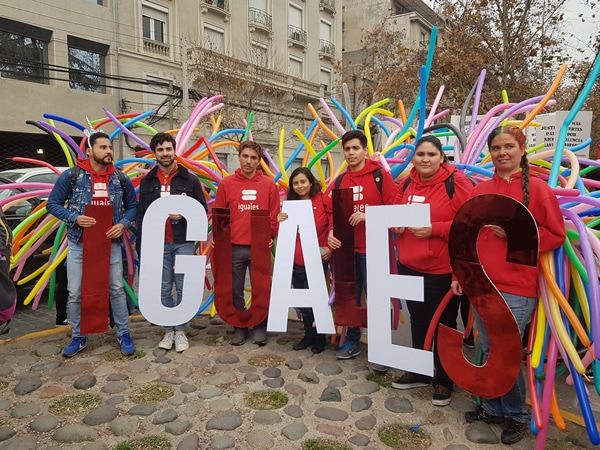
{"x":326,"y":49}
{"x":225,"y":67}
{"x":327,"y":5}
{"x":220,"y":7}
{"x":260,"y":20}
{"x":158,"y":48}
{"x":297,"y":37}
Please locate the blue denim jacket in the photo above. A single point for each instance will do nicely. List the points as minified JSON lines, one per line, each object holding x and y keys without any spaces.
{"x":124,"y":206}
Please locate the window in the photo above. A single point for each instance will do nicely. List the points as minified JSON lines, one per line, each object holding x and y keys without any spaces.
{"x":295,"y":67}
{"x":97,"y":2}
{"x":154,"y":22}
{"x":86,"y":64}
{"x":258,"y":54}
{"x":214,"y":38}
{"x":23,"y":51}
{"x":295,"y":16}
{"x":325,"y":30}
{"x":325,"y":78}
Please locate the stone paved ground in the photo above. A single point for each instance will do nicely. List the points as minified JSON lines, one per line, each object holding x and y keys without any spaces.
{"x":209,"y":382}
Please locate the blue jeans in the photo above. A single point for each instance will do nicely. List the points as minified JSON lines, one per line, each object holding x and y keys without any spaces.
{"x":118,"y":300}
{"x":511,"y":404}
{"x":172,"y":249}
{"x":360,"y":277}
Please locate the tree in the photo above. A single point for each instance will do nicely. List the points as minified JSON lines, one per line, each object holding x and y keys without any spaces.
{"x":516,"y":42}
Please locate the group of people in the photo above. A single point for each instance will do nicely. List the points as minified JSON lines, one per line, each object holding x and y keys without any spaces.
{"x":421,"y":251}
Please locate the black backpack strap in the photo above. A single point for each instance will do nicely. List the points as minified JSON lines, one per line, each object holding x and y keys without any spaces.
{"x":75,"y":171}
{"x":338,"y":180}
{"x":378,"y":177}
{"x":406,"y":183}
{"x":122,"y":179}
{"x":450,"y":186}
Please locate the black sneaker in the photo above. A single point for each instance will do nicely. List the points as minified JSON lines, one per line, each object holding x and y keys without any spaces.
{"x":303,"y":344}
{"x":481,"y":415}
{"x":408,"y":381}
{"x":442,"y":395}
{"x":512,"y":431}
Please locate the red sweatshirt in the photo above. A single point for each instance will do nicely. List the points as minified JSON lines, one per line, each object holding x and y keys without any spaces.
{"x":510,"y":277}
{"x":431,"y":255}
{"x":242,"y":195}
{"x":366,"y":193}
{"x":321,"y":205}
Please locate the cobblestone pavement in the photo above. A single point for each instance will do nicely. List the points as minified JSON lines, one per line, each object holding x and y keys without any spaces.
{"x":205,"y":392}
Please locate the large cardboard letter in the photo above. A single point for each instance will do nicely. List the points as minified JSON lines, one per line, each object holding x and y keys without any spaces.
{"x":382,"y":286}
{"x":260,"y":265}
{"x":301,"y":220}
{"x":95,"y":274}
{"x":192,"y":266}
{"x":498,"y":374}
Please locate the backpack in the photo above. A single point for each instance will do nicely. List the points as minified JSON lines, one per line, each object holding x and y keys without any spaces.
{"x":377,"y":176}
{"x":76,"y":170}
{"x":449,"y":184}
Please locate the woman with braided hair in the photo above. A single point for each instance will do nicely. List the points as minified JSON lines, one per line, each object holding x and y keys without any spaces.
{"x":517,"y":283}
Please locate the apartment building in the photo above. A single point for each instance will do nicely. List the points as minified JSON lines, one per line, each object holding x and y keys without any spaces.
{"x":74,"y":58}
{"x":413,"y":18}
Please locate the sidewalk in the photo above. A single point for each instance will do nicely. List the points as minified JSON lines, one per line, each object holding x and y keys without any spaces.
{"x":199,"y":398}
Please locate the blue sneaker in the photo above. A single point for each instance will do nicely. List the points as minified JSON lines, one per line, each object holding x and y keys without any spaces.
{"x":349,"y":350}
{"x":76,"y":345}
{"x":127,"y":345}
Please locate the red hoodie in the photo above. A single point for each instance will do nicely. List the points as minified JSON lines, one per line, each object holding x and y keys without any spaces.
{"x":366,"y":193}
{"x":98,"y":181}
{"x":431,"y":255}
{"x":543,"y":205}
{"x":241,"y":195}
{"x":321,"y":205}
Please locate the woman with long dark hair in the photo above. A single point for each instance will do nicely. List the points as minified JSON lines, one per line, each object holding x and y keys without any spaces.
{"x":517,"y":283}
{"x":304,"y":186}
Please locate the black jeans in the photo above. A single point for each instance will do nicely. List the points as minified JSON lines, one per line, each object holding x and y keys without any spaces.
{"x":300,"y":281}
{"x":421,"y":313}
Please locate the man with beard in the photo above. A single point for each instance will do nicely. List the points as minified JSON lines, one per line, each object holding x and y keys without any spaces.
{"x":169,"y":178}
{"x":95,"y":181}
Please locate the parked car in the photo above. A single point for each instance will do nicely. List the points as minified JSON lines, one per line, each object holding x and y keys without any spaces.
{"x":20,"y":211}
{"x":17,"y":213}
{"x":32,"y":175}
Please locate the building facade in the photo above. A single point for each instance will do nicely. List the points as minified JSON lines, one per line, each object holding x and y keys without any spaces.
{"x":74,"y":58}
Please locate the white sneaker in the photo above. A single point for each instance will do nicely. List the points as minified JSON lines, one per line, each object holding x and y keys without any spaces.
{"x":181,"y":342}
{"x":167,"y":341}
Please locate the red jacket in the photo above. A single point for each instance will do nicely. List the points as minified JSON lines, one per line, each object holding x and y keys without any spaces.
{"x":366,"y":193}
{"x":510,"y":277}
{"x":241,"y":195}
{"x":321,"y":205}
{"x":431,"y":255}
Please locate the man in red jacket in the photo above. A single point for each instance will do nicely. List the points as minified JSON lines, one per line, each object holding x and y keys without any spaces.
{"x":246,"y":190}
{"x":362,"y":176}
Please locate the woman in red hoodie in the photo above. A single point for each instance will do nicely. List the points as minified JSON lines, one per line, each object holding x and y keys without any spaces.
{"x":304,"y":186}
{"x":516,"y":283}
{"x":423,"y":251}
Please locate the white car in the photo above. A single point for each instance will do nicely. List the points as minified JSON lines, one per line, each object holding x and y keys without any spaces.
{"x":32,"y":175}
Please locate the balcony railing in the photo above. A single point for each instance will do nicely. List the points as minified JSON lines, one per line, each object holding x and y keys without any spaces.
{"x":297,"y":34}
{"x":229,"y":67}
{"x":260,"y":19}
{"x":222,"y":4}
{"x":156,"y":47}
{"x":326,"y":47}
{"x":327,"y":4}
